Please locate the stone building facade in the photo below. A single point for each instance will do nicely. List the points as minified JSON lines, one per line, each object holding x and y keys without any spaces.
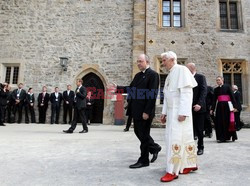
{"x":102,"y":38}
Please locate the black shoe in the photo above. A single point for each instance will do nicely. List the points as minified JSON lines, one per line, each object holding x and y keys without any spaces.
{"x":234,"y":138}
{"x":138,"y":165}
{"x":126,"y":130}
{"x":1,"y":124}
{"x":67,"y":131}
{"x":200,"y":151}
{"x":155,"y":156}
{"x":83,"y":131}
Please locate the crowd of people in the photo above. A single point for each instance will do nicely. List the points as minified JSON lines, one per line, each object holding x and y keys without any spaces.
{"x":12,"y":104}
{"x":190,"y":107}
{"x":189,"y":104}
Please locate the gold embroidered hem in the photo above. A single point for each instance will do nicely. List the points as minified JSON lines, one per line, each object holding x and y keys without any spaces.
{"x":176,"y":158}
{"x":192,"y":157}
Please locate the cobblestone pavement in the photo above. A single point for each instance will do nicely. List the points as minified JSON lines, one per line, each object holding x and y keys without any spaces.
{"x":34,"y":155}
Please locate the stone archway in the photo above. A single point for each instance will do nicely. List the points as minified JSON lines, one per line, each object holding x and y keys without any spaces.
{"x":93,"y":83}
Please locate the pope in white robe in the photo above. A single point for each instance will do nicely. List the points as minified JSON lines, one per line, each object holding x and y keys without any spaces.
{"x":177,"y":114}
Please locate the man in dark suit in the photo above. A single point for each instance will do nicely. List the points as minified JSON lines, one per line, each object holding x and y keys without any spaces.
{"x":237,"y":96}
{"x":56,"y":100}
{"x":4,"y":93}
{"x":208,"y":119}
{"x":90,"y":102}
{"x":19,"y":95}
{"x":68,"y":100}
{"x":199,"y":106}
{"x":79,"y":108}
{"x":29,"y":106}
{"x":143,"y":91}
{"x":10,"y":107}
{"x":43,"y":102}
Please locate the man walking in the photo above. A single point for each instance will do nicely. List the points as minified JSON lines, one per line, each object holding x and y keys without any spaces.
{"x":177,"y":114}
{"x":198,"y":106}
{"x":79,"y":108}
{"x":143,"y":91}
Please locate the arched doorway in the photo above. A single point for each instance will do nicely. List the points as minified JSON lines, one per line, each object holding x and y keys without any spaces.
{"x":92,"y":82}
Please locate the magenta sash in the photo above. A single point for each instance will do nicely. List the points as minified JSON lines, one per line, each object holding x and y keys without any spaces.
{"x":232,"y":120}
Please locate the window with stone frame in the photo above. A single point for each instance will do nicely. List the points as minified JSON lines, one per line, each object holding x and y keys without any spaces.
{"x":232,"y":73}
{"x":11,"y":74}
{"x":230,"y":15}
{"x":164,"y":73}
{"x":171,"y":13}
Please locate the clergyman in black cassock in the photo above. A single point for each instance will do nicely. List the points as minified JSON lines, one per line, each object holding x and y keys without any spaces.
{"x":223,"y":127}
{"x":143,"y":91}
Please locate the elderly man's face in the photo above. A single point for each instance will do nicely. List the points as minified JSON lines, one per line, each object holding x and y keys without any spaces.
{"x":168,"y":63}
{"x":142,"y":63}
{"x":219,"y":81}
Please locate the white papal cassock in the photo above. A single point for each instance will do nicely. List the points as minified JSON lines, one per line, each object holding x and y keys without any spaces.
{"x":178,"y":97}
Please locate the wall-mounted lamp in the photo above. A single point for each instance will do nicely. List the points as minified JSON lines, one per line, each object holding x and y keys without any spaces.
{"x":64,"y":63}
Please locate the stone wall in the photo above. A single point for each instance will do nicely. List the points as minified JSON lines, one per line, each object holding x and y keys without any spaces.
{"x":96,"y":34}
{"x":201,"y":24}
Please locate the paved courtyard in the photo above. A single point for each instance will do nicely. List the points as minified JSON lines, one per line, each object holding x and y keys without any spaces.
{"x":34,"y":155}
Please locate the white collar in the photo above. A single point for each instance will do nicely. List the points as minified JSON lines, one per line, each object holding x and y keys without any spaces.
{"x":145,"y":69}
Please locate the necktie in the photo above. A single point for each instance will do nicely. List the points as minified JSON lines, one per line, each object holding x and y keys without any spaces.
{"x":75,"y":93}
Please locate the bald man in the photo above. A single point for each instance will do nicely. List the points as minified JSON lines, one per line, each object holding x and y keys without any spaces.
{"x":143,"y":91}
{"x":198,"y":106}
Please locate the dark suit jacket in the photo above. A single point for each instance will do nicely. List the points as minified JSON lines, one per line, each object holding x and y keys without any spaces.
{"x":237,"y":100}
{"x":200,"y":92}
{"x":69,"y":98}
{"x":209,"y":97}
{"x":91,"y":101}
{"x":53,"y":98}
{"x":45,"y":101}
{"x":80,"y":99}
{"x":143,"y":92}
{"x":22,"y":95}
{"x":30,"y":99}
{"x":4,"y":97}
